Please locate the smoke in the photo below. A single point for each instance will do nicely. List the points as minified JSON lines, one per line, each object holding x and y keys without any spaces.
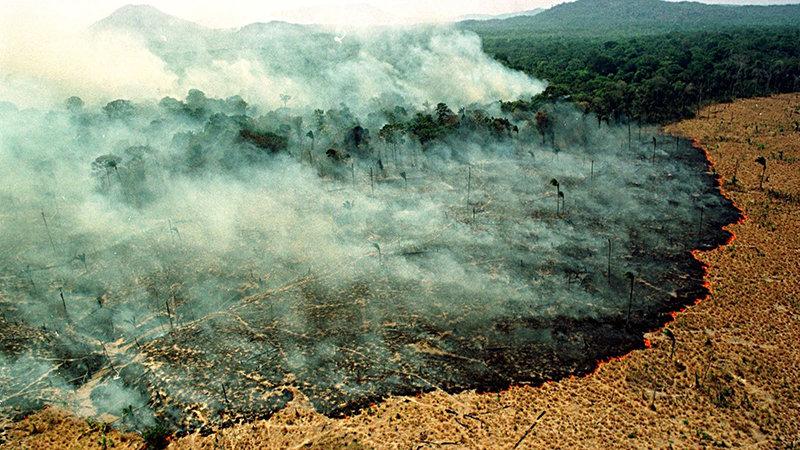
{"x":139,"y":50}
{"x":338,"y":233}
{"x":41,"y":63}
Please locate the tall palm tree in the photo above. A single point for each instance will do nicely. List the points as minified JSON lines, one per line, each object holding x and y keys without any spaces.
{"x":559,"y":195}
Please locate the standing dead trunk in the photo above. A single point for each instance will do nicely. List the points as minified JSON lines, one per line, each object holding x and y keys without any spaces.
{"x":371,"y":181}
{"x":608,"y":270}
{"x":63,"y":301}
{"x":49,"y":235}
{"x":631,"y":277}
{"x":653,"y":159}
{"x":469,"y":183}
{"x":700,"y":226}
{"x":762,"y":161}
{"x":629,"y":134}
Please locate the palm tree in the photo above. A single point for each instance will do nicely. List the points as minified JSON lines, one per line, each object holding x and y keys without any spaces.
{"x":559,"y":195}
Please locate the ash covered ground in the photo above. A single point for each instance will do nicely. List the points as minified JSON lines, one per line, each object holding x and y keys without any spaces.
{"x":184,"y":260}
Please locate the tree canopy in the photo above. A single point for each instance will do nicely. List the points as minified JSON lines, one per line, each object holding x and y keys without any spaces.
{"x":657,"y":78}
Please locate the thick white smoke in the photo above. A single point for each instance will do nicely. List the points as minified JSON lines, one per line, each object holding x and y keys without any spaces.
{"x":140,"y":53}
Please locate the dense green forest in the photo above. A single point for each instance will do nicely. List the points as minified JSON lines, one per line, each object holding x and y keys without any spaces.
{"x":658,"y":75}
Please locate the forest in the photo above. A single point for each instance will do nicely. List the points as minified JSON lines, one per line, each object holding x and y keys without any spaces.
{"x":653,"y":68}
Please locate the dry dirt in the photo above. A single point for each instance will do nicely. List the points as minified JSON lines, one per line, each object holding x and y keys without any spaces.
{"x":732,"y":378}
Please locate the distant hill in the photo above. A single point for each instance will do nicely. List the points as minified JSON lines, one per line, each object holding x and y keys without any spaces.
{"x":479,"y":17}
{"x":181,"y":43}
{"x":639,"y":17}
{"x":144,"y":18}
{"x":156,"y":28}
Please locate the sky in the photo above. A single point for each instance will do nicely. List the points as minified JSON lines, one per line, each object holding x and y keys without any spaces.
{"x":223,"y":14}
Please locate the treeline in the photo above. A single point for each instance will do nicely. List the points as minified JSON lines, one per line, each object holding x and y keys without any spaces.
{"x":201,"y":134}
{"x":655,"y":78}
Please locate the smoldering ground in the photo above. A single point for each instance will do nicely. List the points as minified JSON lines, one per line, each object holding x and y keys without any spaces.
{"x":188,"y":259}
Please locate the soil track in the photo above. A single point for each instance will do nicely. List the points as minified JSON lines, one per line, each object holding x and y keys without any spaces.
{"x":731,"y":378}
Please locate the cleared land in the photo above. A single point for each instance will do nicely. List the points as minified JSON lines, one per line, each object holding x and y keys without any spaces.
{"x":731,"y":377}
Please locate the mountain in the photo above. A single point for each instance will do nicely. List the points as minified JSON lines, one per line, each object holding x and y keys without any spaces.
{"x":144,"y":17}
{"x":478,"y":17}
{"x":167,"y":35}
{"x":181,"y":44}
{"x":156,"y":28}
{"x":640,"y":17}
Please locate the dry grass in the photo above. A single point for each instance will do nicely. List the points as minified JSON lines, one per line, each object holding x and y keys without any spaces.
{"x":733,"y":380}
{"x":52,"y":428}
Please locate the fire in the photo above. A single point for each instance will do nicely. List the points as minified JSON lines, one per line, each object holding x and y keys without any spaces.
{"x":612,"y":359}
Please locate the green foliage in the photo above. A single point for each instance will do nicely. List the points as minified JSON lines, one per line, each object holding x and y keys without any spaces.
{"x":445,"y":116}
{"x":425,"y":129}
{"x":265,"y":140}
{"x":199,"y":107}
{"x":74,"y":104}
{"x":655,"y":78}
{"x":119,"y":109}
{"x":391,"y":132}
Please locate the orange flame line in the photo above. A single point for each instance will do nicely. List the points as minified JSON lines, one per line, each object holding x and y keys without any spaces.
{"x":696,"y":255}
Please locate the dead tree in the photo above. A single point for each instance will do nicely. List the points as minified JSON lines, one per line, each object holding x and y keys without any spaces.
{"x":49,"y":235}
{"x":608,"y":271}
{"x":469,"y":182}
{"x":762,"y":161}
{"x":555,"y":183}
{"x":632,"y":278}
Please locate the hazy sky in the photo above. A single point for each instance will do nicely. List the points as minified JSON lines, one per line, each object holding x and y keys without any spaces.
{"x":218,"y":13}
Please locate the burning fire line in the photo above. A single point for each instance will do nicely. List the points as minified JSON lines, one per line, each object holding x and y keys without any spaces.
{"x":696,"y":255}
